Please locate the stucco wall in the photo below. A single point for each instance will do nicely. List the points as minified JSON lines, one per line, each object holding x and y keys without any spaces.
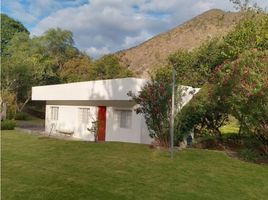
{"x":145,"y":138}
{"x":68,"y":120}
{"x":115,"y":133}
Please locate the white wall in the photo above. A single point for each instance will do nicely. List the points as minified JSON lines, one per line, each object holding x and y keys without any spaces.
{"x":115,"y":133}
{"x":68,"y":121}
{"x":145,"y":138}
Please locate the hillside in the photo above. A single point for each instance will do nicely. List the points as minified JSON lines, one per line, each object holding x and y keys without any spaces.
{"x":189,"y":35}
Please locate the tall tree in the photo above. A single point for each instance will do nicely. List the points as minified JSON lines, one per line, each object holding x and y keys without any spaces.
{"x":154,"y":103}
{"x":9,"y":27}
{"x":58,"y":44}
{"x":23,"y":67}
{"x":76,"y":69}
{"x":108,"y":67}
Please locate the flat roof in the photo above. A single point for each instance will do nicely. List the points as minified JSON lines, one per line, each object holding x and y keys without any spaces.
{"x":110,"y":89}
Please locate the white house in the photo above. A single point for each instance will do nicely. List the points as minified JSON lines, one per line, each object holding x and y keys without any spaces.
{"x":74,"y":107}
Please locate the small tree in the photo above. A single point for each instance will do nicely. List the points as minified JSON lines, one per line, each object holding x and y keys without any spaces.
{"x":154,"y":102}
{"x":242,"y":87}
{"x":202,"y":114}
{"x":9,"y":99}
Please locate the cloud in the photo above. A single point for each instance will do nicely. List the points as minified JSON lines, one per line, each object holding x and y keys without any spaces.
{"x":31,"y":12}
{"x":104,"y":26}
{"x":17,"y":11}
{"x":132,"y":41}
{"x":97,"y":52}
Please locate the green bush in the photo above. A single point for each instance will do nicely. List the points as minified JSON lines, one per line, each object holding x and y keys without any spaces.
{"x":22,"y":116}
{"x":249,"y":155}
{"x":231,"y":137}
{"x":8,"y":125}
{"x":154,"y":102}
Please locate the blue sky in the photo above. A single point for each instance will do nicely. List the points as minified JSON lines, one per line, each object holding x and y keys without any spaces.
{"x":30,"y":12}
{"x":104,"y":26}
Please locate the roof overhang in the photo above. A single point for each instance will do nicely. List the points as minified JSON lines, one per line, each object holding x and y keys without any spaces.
{"x":112,"y":89}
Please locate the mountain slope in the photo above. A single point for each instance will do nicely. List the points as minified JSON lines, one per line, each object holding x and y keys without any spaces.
{"x":191,"y":34}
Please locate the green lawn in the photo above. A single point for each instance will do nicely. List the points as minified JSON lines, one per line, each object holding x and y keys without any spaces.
{"x":42,"y":168}
{"x":231,"y":127}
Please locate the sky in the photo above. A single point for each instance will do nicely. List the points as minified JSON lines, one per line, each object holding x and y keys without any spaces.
{"x":104,"y":26}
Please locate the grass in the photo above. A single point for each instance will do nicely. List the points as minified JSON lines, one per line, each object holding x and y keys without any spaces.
{"x":41,"y":168}
{"x":231,"y":127}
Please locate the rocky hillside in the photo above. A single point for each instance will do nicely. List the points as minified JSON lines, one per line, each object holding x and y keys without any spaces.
{"x":191,"y":34}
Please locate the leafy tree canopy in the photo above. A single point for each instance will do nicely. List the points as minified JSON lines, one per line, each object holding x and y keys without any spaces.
{"x":58,"y":44}
{"x":9,"y":27}
{"x":76,"y":69}
{"x":108,"y":67}
{"x":236,"y":86}
{"x":195,"y":67}
{"x":51,"y":58}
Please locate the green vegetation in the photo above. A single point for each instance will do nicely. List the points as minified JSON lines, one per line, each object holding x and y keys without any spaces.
{"x":229,"y":128}
{"x":196,"y":67}
{"x":51,"y":58}
{"x":25,"y":120}
{"x":31,"y":122}
{"x":243,"y":90}
{"x":8,"y":125}
{"x":22,"y":116}
{"x":9,"y":28}
{"x":108,"y":67}
{"x":244,"y":146}
{"x":41,"y":168}
{"x":249,"y":154}
{"x":76,"y":69}
{"x":233,"y":75}
{"x":232,"y":126}
{"x":193,"y":67}
{"x":154,"y":103}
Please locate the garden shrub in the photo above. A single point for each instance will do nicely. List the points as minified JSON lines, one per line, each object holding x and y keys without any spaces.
{"x":22,"y":116}
{"x":203,"y":116}
{"x":231,"y":138}
{"x":249,"y":154}
{"x":8,"y":125}
{"x":241,"y":86}
{"x":10,"y":99}
{"x":154,"y":103}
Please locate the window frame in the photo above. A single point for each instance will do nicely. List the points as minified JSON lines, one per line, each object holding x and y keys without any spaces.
{"x":81,"y":115}
{"x":119,"y":116}
{"x":54,"y":113}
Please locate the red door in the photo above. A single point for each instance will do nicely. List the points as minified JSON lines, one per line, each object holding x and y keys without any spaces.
{"x":102,"y":123}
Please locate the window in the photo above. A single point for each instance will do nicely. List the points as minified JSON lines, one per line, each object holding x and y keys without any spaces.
{"x":124,"y":118}
{"x":54,"y":113}
{"x":84,"y":115}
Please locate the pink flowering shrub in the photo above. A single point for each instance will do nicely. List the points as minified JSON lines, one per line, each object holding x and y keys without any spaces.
{"x":242,"y":87}
{"x":154,"y":103}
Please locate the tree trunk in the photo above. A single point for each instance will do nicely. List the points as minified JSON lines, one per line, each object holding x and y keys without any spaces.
{"x":24,"y":104}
